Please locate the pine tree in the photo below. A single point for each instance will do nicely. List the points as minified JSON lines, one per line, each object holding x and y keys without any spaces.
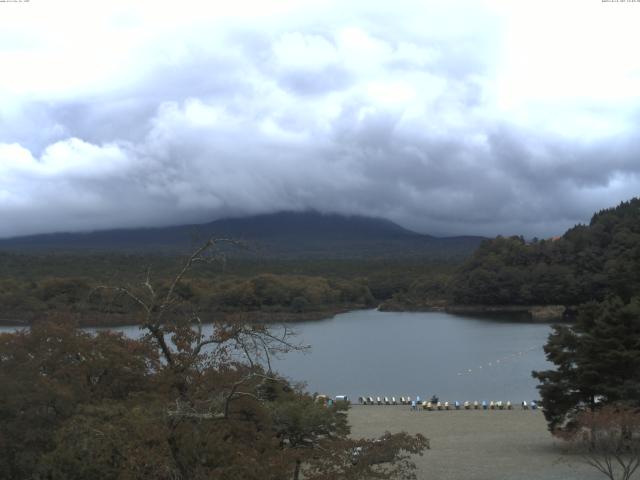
{"x":597,"y":362}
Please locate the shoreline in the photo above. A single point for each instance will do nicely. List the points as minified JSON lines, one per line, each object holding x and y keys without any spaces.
{"x":536,"y":313}
{"x":102,"y":320}
{"x":512,"y":313}
{"x":532,"y":313}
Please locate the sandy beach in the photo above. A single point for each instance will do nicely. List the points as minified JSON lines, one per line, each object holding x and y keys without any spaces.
{"x":476,"y":444}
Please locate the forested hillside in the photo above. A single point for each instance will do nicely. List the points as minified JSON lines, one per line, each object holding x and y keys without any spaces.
{"x":586,"y":263}
{"x":271,"y":297}
{"x":33,"y":285}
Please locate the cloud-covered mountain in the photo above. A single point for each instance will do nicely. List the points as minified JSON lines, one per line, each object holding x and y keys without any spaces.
{"x":284,"y":234}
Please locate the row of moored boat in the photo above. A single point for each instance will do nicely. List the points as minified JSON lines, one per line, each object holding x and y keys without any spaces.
{"x":437,"y":405}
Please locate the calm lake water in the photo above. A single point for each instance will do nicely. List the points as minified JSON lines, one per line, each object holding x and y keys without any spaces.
{"x":374,"y":353}
{"x":398,"y":354}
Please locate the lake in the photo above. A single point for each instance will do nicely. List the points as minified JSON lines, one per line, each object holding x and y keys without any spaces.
{"x":375,"y":353}
{"x":372,"y":353}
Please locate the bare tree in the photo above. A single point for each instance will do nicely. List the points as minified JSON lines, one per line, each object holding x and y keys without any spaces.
{"x":175,"y":326}
{"x":609,"y":440}
{"x":172,"y":324}
{"x":224,"y":377}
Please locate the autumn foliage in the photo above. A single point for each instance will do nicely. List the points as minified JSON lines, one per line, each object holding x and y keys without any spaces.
{"x":174,"y":404}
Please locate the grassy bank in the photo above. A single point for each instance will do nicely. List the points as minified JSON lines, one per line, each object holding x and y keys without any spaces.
{"x":476,"y":444}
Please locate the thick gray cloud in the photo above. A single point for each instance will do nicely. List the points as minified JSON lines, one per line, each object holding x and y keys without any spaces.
{"x":446,"y":119}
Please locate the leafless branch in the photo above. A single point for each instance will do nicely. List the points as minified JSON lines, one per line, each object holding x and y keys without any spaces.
{"x":609,"y":440}
{"x":196,"y":256}
{"x":127,"y":292}
{"x":234,"y":393}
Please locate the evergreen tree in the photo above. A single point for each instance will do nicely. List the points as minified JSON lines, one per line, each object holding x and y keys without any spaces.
{"x":597,"y":362}
{"x":587,"y":263}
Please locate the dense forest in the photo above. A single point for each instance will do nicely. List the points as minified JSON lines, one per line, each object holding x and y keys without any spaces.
{"x":33,"y":285}
{"x":282,"y":266}
{"x":587,"y":263}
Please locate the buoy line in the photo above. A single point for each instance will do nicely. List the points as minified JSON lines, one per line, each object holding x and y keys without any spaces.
{"x":498,"y":362}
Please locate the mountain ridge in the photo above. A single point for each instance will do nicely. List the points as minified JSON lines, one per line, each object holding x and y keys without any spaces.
{"x":286,"y":233}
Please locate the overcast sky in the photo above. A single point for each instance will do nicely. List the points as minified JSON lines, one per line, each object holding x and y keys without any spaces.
{"x":473,"y":117}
